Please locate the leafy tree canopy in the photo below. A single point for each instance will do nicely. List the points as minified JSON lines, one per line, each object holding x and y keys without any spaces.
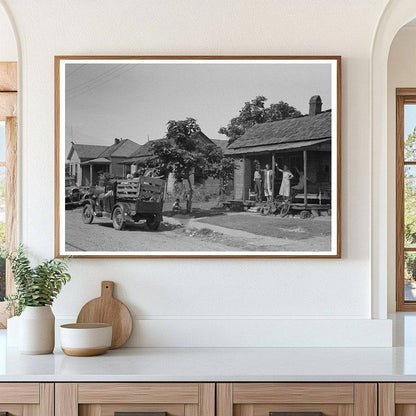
{"x":180,"y":153}
{"x":255,"y":112}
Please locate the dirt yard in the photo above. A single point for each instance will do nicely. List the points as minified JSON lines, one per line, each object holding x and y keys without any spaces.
{"x":274,"y":226}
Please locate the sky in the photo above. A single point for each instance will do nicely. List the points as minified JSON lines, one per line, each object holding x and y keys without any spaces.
{"x":409,"y":119}
{"x":135,"y":101}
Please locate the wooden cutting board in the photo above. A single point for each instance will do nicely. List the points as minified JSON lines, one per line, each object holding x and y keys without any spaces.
{"x":107,"y":309}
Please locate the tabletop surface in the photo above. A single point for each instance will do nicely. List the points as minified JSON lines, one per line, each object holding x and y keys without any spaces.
{"x":213,"y":365}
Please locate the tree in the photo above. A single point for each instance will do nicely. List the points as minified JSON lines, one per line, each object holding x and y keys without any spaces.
{"x":410,"y":208}
{"x":410,"y":204}
{"x":180,"y":153}
{"x":254,"y":112}
{"x":223,"y":170}
{"x":410,"y":190}
{"x":410,"y":146}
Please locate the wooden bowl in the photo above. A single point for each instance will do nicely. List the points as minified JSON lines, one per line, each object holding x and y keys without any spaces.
{"x":85,"y":340}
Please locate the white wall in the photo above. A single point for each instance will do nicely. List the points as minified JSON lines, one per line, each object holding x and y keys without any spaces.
{"x":401,"y":74}
{"x":8,"y":47}
{"x":179,"y":302}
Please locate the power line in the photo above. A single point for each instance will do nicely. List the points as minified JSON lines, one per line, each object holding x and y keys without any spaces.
{"x":70,"y":74}
{"x":94,"y":80}
{"x":100,"y":82}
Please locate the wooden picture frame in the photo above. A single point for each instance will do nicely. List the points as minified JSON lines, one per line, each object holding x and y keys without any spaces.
{"x":136,"y":86}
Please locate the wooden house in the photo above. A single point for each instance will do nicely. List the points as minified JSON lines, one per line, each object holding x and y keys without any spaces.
{"x":78,"y":155}
{"x":303,"y":144}
{"x":87,"y":162}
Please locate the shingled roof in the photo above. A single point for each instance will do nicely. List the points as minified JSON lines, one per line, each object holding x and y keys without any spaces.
{"x":86,"y":151}
{"x":124,"y":148}
{"x":144,"y":149}
{"x":142,"y":154}
{"x":288,"y":131}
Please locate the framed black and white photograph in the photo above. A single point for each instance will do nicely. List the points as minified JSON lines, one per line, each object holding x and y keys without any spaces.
{"x":196,"y":156}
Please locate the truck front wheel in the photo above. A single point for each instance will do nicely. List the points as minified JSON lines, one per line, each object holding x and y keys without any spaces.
{"x":87,"y":214}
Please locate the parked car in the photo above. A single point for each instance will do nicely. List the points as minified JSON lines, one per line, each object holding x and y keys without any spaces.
{"x":73,"y":194}
{"x":127,"y":200}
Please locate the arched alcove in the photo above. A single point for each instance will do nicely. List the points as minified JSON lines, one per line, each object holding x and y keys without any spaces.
{"x":396,"y":15}
{"x":8,"y":44}
{"x":401,"y":73}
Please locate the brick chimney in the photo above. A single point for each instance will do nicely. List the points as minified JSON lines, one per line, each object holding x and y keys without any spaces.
{"x":116,"y":141}
{"x":315,"y":105}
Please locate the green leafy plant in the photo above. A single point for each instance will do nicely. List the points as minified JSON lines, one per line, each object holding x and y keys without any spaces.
{"x":35,"y":286}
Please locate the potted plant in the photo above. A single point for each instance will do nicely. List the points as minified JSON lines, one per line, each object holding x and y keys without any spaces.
{"x":36,"y":289}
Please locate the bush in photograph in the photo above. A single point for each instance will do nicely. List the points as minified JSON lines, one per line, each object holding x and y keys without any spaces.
{"x":201,"y":194}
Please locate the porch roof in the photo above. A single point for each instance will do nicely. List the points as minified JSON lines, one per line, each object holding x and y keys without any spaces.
{"x":136,"y":160}
{"x":97,"y":161}
{"x":299,"y":145}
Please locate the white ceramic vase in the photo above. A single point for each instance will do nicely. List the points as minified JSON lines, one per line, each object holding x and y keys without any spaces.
{"x":37,"y":330}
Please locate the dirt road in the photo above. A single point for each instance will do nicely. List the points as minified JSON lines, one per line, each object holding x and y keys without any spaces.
{"x":101,"y":236}
{"x":182,"y":234}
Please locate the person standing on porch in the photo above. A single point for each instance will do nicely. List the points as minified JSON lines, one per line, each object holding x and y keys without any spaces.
{"x":257,"y":184}
{"x":268,"y":182}
{"x":285,"y":185}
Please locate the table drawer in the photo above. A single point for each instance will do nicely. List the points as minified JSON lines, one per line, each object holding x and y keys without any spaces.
{"x":297,"y":399}
{"x":397,"y":399}
{"x":145,"y":399}
{"x":22,"y":399}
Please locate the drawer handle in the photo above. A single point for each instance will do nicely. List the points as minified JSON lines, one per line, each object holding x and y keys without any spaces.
{"x":296,"y":414}
{"x":138,"y":414}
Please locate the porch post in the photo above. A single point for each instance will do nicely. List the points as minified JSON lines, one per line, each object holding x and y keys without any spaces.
{"x":273,"y":167}
{"x":91,"y":184}
{"x":305,"y":181}
{"x":243,"y":194}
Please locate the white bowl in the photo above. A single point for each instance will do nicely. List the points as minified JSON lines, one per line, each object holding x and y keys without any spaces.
{"x":83,"y":340}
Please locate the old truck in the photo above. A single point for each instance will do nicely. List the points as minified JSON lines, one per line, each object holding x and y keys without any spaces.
{"x":127,"y":201}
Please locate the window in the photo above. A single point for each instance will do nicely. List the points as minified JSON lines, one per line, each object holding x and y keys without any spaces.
{"x":8,"y":169}
{"x":2,"y":207}
{"x":406,"y":200}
